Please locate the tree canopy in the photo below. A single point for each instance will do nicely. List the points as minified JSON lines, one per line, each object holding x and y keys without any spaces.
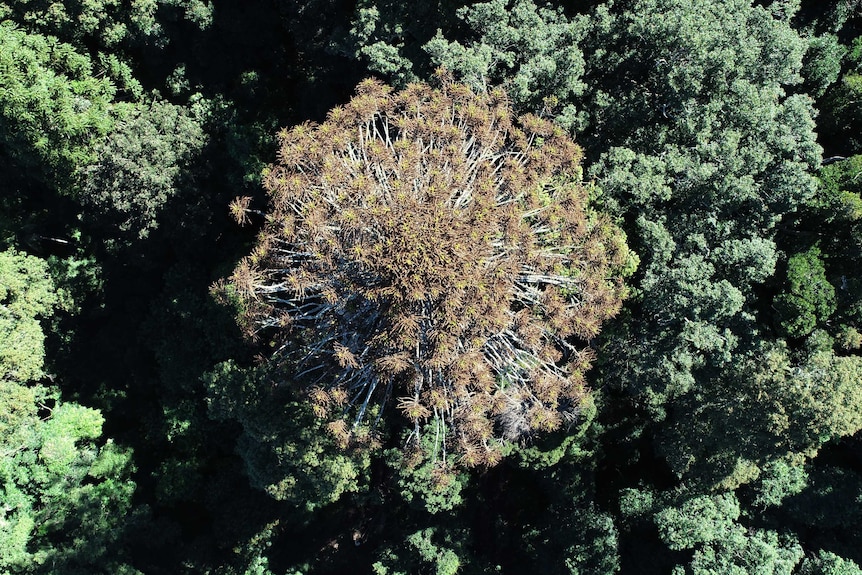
{"x":59,"y":486}
{"x":427,"y":246}
{"x":428,"y":267}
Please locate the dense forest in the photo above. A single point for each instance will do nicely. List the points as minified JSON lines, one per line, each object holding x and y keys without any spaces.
{"x":332,"y":286}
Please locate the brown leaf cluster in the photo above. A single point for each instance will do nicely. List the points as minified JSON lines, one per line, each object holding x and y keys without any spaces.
{"x":426,"y":245}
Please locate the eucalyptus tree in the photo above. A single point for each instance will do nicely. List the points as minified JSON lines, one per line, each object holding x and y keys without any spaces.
{"x":426,"y":247}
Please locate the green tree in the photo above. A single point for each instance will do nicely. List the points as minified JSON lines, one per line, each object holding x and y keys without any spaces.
{"x":52,"y":106}
{"x":822,"y":63}
{"x":425,"y":484}
{"x":61,"y":126}
{"x":63,"y":493}
{"x":423,"y":552}
{"x":709,"y":154}
{"x":387,"y":36}
{"x":534,"y":52}
{"x":109,"y":22}
{"x":834,"y":217}
{"x":768,"y":408}
{"x":140,"y":165}
{"x":809,"y":299}
{"x":841,"y":117}
{"x":288,"y":451}
{"x":709,"y":525}
{"x":779,"y":480}
{"x":827,"y":563}
{"x":26,"y":294}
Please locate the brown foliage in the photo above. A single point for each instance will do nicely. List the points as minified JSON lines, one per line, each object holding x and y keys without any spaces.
{"x":428,"y":246}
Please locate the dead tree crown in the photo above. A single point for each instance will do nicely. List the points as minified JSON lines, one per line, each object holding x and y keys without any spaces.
{"x":428,"y":249}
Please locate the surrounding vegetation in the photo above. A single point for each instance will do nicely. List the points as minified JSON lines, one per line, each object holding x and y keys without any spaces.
{"x":586,"y":302}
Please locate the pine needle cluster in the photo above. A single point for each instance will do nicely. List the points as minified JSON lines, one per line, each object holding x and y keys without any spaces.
{"x":427,"y":248}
